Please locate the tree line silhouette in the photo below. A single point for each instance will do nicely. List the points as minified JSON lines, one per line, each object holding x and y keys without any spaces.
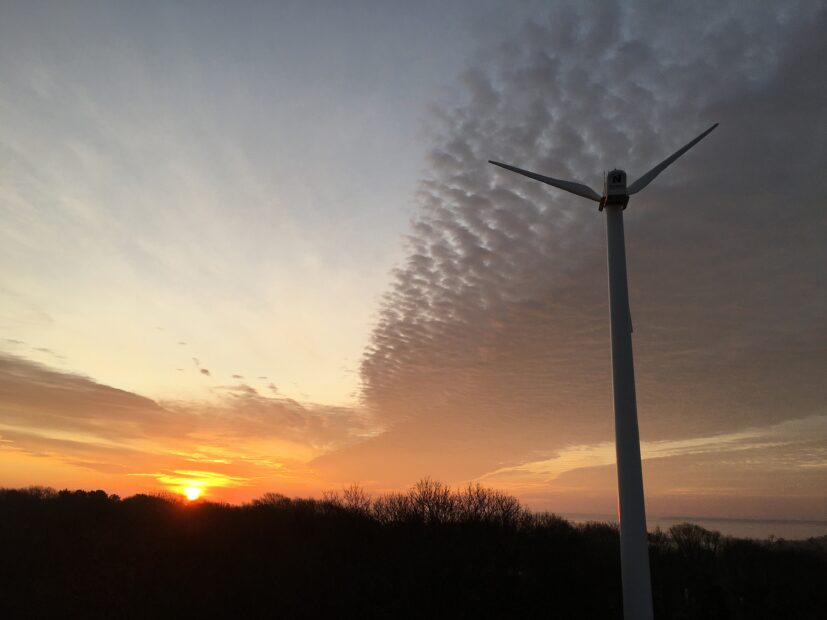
{"x":431,"y":552}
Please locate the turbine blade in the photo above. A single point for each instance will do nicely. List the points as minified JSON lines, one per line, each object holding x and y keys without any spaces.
{"x":650,"y":176}
{"x":569,"y":186}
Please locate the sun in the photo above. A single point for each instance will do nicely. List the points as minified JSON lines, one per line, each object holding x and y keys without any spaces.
{"x":192,"y":493}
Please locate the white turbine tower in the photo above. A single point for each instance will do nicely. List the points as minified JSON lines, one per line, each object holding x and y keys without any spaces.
{"x":634,"y":548}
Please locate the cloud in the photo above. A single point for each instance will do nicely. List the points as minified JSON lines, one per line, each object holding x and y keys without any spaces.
{"x":34,"y":396}
{"x":241,"y":435}
{"x":242,"y":411}
{"x":492,"y":342}
{"x":790,"y":445}
{"x":203,"y":371}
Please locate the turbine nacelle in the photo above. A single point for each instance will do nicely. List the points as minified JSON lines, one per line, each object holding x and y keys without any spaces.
{"x":614,"y":189}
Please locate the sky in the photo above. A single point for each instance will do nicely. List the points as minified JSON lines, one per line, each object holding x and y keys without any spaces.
{"x":258,"y":248}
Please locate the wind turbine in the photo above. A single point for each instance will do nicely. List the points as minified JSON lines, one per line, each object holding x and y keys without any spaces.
{"x":634,"y":547}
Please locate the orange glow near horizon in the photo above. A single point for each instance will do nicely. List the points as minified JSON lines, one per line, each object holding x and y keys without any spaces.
{"x":237,"y":449}
{"x":194,"y":484}
{"x":192,"y":493}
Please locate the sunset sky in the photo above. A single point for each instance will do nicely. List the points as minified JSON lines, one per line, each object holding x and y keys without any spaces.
{"x":253,"y":247}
